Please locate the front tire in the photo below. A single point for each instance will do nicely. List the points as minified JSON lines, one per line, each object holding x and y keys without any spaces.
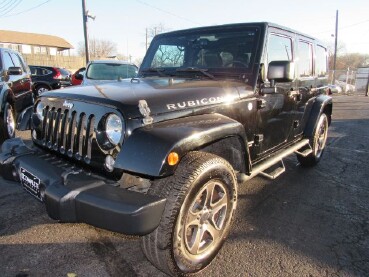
{"x":201,"y":200}
{"x":7,"y":123}
{"x":318,"y":143}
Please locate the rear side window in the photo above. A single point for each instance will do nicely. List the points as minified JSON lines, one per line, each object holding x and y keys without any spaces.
{"x":279,"y":48}
{"x":40,"y":71}
{"x":305,"y":59}
{"x":321,"y":61}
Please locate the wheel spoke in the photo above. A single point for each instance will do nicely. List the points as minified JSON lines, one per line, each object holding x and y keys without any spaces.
{"x":212,"y":230}
{"x":218,"y":213}
{"x":193,"y":219}
{"x":209,"y":194}
{"x":197,"y":239}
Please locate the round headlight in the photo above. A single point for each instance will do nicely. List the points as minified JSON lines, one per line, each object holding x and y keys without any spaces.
{"x":40,"y":109}
{"x":113,"y":128}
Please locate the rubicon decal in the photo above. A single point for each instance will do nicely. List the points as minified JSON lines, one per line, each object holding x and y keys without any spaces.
{"x":194,"y":103}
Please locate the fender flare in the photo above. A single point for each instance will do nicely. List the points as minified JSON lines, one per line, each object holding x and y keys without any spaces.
{"x":323,"y":103}
{"x":146,"y":150}
{"x":6,"y":95}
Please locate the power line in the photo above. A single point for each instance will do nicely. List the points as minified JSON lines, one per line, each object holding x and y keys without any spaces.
{"x":167,"y":12}
{"x":11,"y":7}
{"x":344,"y":27}
{"x":27,"y":10}
{"x":6,"y":5}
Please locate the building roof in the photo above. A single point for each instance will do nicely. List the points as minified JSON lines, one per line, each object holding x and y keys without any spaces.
{"x":34,"y":39}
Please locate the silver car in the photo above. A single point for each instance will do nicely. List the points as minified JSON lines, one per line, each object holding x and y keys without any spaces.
{"x":105,"y":71}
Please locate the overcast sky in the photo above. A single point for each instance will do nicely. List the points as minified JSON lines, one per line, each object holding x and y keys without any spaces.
{"x":124,"y":21}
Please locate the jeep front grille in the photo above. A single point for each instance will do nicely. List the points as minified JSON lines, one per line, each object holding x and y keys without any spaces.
{"x":68,"y":132}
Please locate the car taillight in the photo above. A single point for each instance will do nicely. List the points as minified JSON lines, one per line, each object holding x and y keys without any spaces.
{"x":58,"y":74}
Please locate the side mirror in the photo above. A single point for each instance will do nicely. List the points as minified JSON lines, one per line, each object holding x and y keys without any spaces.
{"x":281,"y":71}
{"x":14,"y":70}
{"x":78,"y":76}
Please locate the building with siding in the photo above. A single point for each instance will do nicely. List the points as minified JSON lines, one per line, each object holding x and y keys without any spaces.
{"x":31,"y":43}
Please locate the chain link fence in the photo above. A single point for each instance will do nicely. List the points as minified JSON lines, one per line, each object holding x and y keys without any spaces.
{"x":351,"y":80}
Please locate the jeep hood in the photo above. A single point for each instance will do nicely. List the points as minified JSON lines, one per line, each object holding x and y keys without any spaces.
{"x":161,"y":94}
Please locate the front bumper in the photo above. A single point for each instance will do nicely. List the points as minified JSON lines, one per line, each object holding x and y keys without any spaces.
{"x":73,"y":195}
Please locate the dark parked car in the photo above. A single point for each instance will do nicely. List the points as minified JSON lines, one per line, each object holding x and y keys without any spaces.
{"x":15,"y":91}
{"x":159,"y":155}
{"x":105,"y":71}
{"x":45,"y":78}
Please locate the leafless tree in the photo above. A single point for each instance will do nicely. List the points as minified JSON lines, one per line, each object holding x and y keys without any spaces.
{"x":154,"y":30}
{"x":98,"y":48}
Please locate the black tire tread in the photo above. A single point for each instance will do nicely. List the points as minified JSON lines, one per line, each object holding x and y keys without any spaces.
{"x":157,"y":245}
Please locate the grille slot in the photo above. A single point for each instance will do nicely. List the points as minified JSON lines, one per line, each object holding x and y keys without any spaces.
{"x":68,"y":132}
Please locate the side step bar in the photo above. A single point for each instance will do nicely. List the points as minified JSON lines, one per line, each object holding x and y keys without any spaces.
{"x":260,"y":168}
{"x":275,"y":173}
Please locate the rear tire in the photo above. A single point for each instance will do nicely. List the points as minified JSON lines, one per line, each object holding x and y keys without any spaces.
{"x":201,"y":200}
{"x":41,"y":89}
{"x":7,"y":123}
{"x":318,"y":143}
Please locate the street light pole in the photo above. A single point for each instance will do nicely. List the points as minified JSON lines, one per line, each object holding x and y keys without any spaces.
{"x":335,"y":49}
{"x":84,"y":16}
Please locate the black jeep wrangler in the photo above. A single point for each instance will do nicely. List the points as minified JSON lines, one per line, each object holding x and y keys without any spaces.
{"x":159,"y":156}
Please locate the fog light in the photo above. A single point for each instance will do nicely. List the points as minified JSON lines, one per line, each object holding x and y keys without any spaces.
{"x":109,"y":163}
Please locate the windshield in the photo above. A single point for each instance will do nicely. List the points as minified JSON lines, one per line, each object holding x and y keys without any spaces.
{"x":111,"y":71}
{"x":214,"y":51}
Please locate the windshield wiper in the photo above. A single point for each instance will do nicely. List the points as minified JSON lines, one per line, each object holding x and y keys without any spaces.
{"x":196,"y":69}
{"x":156,"y":70}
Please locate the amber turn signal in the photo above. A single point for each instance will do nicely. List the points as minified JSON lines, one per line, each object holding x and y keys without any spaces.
{"x":173,"y":158}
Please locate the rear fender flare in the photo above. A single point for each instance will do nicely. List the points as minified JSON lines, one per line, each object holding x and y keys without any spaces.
{"x":146,"y":150}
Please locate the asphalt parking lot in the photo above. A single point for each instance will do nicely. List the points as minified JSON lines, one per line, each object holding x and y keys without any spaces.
{"x":308,"y":222}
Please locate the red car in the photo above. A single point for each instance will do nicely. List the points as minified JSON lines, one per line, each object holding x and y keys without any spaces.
{"x":74,"y":80}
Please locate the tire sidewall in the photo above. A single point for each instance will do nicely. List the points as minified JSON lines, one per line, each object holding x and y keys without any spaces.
{"x":41,"y":87}
{"x":322,"y":120}
{"x":8,"y":108}
{"x":219,"y":172}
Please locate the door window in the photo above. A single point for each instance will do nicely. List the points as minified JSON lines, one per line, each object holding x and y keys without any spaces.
{"x":279,"y":48}
{"x":321,"y":61}
{"x":305,"y":60}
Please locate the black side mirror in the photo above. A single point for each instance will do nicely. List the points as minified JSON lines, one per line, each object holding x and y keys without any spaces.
{"x":281,"y":71}
{"x":78,"y":76}
{"x":14,"y":70}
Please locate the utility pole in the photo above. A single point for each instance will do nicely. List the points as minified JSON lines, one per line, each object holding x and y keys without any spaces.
{"x":84,"y":16}
{"x":335,"y":50}
{"x":367,"y":85}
